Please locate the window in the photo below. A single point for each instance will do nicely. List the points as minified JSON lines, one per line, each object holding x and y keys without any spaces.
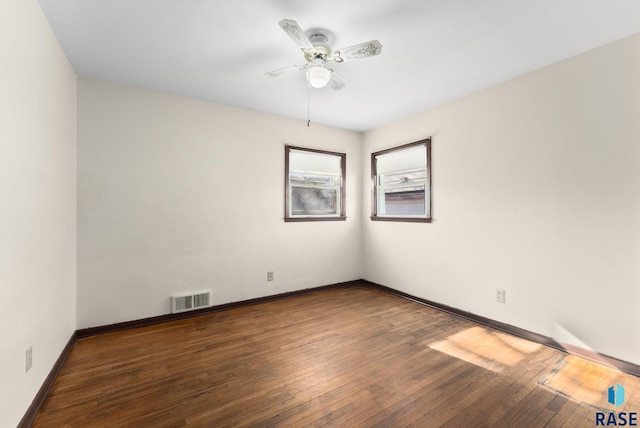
{"x":401,"y":181}
{"x":314,"y":185}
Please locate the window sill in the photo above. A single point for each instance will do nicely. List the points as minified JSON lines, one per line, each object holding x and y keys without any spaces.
{"x":403,"y":219}
{"x":300,"y":219}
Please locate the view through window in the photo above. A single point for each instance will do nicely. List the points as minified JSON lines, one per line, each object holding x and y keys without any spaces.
{"x":401,"y":179}
{"x":314,"y":182}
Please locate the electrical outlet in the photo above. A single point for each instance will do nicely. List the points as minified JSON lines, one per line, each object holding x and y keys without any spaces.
{"x":29,"y":358}
{"x":501,"y":296}
{"x":269,"y":276}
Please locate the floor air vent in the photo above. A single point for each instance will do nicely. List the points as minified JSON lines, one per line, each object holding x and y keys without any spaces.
{"x":189,"y":301}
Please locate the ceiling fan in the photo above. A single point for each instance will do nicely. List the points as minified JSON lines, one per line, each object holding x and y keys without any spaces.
{"x":318,"y":53}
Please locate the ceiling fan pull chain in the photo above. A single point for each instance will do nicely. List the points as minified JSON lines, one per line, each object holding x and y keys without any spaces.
{"x":308,"y":105}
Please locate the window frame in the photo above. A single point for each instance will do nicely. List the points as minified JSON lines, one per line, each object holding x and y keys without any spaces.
{"x":427,"y":193}
{"x":342,"y":199}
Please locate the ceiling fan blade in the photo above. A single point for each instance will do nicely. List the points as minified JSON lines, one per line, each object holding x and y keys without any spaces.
{"x":294,"y":31}
{"x":336,"y":82}
{"x":362,"y":50}
{"x":281,"y":71}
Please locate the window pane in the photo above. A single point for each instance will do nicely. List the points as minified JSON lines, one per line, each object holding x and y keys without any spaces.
{"x":314,"y":180}
{"x":313,"y":201}
{"x":404,"y":177}
{"x":314,"y":162}
{"x":404,"y":202}
{"x":402,"y":160}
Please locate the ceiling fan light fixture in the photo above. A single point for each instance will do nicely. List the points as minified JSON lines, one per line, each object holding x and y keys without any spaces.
{"x":318,"y":76}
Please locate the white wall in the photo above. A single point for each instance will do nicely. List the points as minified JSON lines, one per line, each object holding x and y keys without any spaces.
{"x":176,"y":194}
{"x":37,"y":203}
{"x":536,"y":190}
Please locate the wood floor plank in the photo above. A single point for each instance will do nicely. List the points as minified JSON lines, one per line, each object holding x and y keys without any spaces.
{"x":351,"y":356}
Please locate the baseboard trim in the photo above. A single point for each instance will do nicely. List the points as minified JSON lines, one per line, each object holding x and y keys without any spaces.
{"x":36,"y":404}
{"x":92,"y":331}
{"x":34,"y":408}
{"x":587,"y":354}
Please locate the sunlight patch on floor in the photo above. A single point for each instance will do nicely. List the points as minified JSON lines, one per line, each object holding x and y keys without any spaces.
{"x":491,"y":350}
{"x":584,"y":381}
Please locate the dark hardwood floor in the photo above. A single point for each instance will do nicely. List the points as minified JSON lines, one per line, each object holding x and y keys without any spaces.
{"x":351,"y":356}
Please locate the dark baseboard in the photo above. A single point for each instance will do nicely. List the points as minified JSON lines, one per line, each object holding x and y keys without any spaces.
{"x":32,"y":412}
{"x":623,"y":366}
{"x":515,"y":331}
{"x":92,"y":331}
{"x":36,"y":404}
{"x":34,"y":408}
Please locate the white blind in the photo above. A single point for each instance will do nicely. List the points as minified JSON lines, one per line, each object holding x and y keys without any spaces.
{"x":303,"y":161}
{"x":400,"y":160}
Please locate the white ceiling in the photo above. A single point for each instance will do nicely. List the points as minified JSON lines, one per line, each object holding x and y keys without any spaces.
{"x":433,"y":50}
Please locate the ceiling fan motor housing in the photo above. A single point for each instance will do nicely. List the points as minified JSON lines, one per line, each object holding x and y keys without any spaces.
{"x":321,"y":49}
